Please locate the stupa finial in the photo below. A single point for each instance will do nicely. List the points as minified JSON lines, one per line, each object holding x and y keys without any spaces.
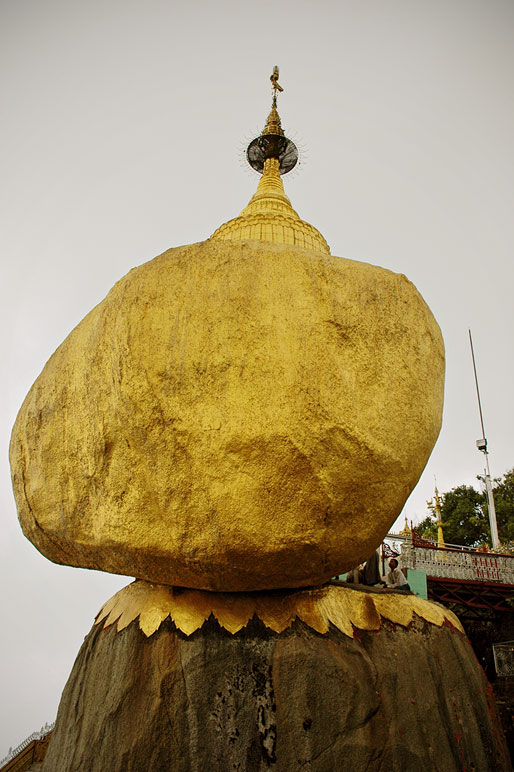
{"x":274,"y":82}
{"x":269,"y":215}
{"x":275,"y":86}
{"x":272,"y":142}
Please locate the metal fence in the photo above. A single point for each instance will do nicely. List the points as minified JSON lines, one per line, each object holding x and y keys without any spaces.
{"x":13,"y":752}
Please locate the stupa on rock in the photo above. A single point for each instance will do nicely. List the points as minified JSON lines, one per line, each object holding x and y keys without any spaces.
{"x":237,"y":420}
{"x":244,"y":413}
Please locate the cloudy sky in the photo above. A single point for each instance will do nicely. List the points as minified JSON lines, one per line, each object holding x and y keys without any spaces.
{"x":123,"y":125}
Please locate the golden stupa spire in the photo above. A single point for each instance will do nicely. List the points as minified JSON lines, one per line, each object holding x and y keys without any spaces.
{"x":435,"y":505}
{"x":269,"y":215}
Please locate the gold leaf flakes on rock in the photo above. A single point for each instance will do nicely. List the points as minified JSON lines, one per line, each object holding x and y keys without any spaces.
{"x":345,"y":608}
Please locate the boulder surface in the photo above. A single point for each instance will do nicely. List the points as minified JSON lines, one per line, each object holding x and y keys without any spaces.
{"x":232,"y":416}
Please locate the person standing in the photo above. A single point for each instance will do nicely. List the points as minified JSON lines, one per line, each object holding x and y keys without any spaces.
{"x":371,"y":570}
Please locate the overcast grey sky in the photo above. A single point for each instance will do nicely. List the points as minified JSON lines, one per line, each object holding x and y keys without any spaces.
{"x":122,"y":130}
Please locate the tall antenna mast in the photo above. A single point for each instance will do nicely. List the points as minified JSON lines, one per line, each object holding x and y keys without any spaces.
{"x":482,"y":446}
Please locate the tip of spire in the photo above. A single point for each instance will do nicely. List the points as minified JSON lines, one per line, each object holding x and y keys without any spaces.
{"x":274,"y":82}
{"x":272,"y":142}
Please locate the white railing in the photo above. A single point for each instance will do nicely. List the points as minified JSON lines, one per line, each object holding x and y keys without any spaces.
{"x":458,"y":564}
{"x":34,"y":736}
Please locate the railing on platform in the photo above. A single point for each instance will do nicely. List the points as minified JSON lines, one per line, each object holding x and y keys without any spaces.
{"x":457,"y":563}
{"x":13,"y":752}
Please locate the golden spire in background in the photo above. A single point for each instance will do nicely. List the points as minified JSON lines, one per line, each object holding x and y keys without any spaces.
{"x":269,"y":215}
{"x":435,"y":505}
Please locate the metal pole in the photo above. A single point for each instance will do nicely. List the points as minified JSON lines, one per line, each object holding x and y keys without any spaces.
{"x":490,"y":500}
{"x":482,"y":446}
{"x":476,"y":384}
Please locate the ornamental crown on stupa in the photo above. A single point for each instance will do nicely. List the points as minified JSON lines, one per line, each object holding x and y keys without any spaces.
{"x":248,"y":412}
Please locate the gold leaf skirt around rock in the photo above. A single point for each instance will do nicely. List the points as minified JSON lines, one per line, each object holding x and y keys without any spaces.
{"x":346,"y":608}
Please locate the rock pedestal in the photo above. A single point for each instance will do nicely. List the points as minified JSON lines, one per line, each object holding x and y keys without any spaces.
{"x":393,"y":696}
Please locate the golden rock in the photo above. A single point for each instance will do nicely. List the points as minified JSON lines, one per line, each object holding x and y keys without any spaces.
{"x":234,"y":415}
{"x":241,"y":414}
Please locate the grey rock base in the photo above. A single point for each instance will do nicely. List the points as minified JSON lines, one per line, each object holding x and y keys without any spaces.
{"x":412,"y":700}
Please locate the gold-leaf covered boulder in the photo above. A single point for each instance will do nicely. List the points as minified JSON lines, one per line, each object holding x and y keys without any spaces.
{"x":234,"y":415}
